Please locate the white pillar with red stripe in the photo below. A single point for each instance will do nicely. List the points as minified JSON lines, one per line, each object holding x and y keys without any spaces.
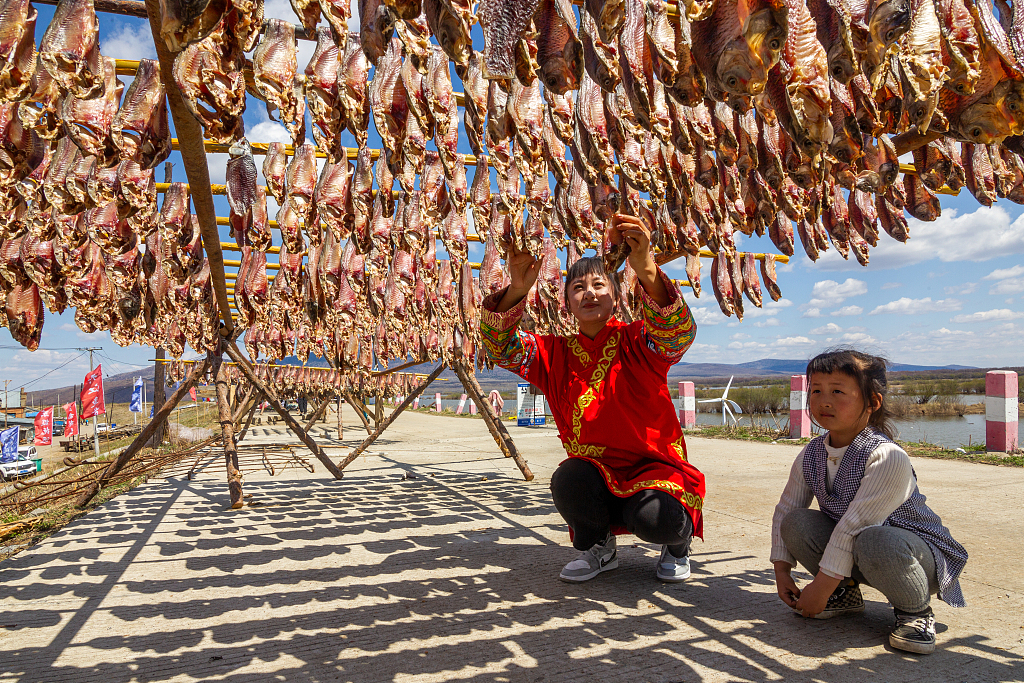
{"x":1001,"y":411}
{"x":416,"y":403}
{"x":472,"y":407}
{"x":799,"y":416}
{"x":462,"y":405}
{"x":688,"y":407}
{"x":437,"y":402}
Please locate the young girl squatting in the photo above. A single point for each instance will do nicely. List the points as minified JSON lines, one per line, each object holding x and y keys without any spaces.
{"x":873,"y":526}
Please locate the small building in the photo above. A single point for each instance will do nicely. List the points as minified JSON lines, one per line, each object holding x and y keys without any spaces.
{"x":12,"y":403}
{"x":27,"y":434}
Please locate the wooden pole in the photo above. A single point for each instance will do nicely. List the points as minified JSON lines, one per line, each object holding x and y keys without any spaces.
{"x":494,"y":425}
{"x":341,"y":430}
{"x":248,"y":420}
{"x":193,"y":156}
{"x":246,"y":367}
{"x":159,"y":417}
{"x":398,"y":368}
{"x":227,"y":430}
{"x":384,"y":424}
{"x":360,"y":409}
{"x":317,"y":413}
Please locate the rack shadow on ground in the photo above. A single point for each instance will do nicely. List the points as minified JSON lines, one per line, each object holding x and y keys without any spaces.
{"x":383,"y":577}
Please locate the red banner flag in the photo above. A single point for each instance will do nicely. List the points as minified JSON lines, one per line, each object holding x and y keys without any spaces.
{"x":70,"y":419}
{"x":192,"y":392}
{"x":44,"y":427}
{"x":92,"y":394}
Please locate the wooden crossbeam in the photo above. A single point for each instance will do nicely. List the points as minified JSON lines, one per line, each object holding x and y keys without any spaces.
{"x":250,"y":374}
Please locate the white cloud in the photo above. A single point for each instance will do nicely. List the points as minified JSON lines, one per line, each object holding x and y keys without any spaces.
{"x":987,"y":316}
{"x":830,"y":328}
{"x":768,"y":307}
{"x":832,"y":293}
{"x":992,"y":234}
{"x":1004,"y":273}
{"x":739,"y":335}
{"x":858,"y":338}
{"x":705,"y":316}
{"x":793,"y":341}
{"x":1007,"y":286}
{"x":769,"y":322}
{"x":962,"y":290}
{"x":848,"y":310}
{"x":269,"y":131}
{"x":747,"y":346}
{"x":892,"y":285}
{"x":129,"y":41}
{"x":812,"y":313}
{"x":908,"y":306}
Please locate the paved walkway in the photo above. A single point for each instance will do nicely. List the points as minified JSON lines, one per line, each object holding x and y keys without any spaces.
{"x":433,"y":561}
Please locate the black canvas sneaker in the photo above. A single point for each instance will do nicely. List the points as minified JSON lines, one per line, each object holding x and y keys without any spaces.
{"x":914,"y":632}
{"x":845,"y":599}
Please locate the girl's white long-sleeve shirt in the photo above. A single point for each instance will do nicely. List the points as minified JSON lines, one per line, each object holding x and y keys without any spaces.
{"x":887,"y":483}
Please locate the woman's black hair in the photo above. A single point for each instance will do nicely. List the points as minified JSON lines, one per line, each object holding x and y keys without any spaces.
{"x":590,"y":265}
{"x":868,"y":371}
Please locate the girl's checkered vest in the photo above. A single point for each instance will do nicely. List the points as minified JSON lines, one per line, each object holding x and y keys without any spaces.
{"x":913,"y":515}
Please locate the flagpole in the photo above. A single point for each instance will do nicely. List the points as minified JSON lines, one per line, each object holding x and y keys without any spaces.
{"x":95,"y":418}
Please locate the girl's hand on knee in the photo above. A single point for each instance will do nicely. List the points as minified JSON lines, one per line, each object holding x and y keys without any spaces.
{"x":785,"y":584}
{"x":815,"y":595}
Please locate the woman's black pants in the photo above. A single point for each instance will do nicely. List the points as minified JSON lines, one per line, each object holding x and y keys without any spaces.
{"x":584,"y":501}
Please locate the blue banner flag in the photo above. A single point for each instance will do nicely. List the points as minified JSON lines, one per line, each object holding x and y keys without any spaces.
{"x":136,"y":405}
{"x":151,"y":410}
{"x":9,"y":444}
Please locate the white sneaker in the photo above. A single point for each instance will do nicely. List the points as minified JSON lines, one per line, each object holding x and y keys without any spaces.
{"x":672,"y":569}
{"x":600,"y":558}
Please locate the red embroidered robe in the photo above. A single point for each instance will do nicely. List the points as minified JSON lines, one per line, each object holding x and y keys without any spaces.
{"x":609,"y":395}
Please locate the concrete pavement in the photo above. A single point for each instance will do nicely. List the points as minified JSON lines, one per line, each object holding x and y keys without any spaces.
{"x":433,"y":561}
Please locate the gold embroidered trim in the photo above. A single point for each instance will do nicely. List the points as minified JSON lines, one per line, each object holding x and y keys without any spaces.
{"x":677,"y":446}
{"x":691,"y":500}
{"x":578,"y":351}
{"x":573,"y":445}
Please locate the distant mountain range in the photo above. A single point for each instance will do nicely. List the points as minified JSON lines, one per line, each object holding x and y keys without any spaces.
{"x":118,"y":388}
{"x":773,"y":366}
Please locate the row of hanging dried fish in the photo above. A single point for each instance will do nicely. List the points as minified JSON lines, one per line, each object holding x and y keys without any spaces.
{"x":292,"y":380}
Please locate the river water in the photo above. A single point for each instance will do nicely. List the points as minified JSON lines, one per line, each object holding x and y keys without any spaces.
{"x":951,"y":432}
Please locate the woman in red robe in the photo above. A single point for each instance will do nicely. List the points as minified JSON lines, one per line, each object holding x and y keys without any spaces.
{"x":627,"y":469}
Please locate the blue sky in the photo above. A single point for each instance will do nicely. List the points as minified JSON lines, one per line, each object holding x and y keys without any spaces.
{"x":951,"y":295}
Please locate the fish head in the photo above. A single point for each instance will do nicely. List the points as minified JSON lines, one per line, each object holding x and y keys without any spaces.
{"x":740,"y":70}
{"x":983,"y":123}
{"x":840,"y":65}
{"x":890,"y":19}
{"x":920,"y":112}
{"x":1008,"y":96}
{"x":765,"y":32}
{"x":962,"y":81}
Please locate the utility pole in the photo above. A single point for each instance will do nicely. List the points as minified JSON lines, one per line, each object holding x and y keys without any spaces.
{"x":7,"y":401}
{"x":96,"y":418}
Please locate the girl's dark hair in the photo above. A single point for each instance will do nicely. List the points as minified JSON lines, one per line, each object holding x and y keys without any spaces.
{"x":868,"y":371}
{"x":589,"y":265}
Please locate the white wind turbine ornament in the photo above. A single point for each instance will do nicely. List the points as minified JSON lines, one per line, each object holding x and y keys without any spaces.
{"x":727,"y":406}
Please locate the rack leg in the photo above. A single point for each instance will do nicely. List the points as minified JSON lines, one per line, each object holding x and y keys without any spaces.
{"x":494,"y":425}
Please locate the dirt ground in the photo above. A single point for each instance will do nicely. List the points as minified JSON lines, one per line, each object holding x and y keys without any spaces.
{"x":432,"y":560}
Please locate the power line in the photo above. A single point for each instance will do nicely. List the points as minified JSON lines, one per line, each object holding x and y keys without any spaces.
{"x":51,"y":371}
